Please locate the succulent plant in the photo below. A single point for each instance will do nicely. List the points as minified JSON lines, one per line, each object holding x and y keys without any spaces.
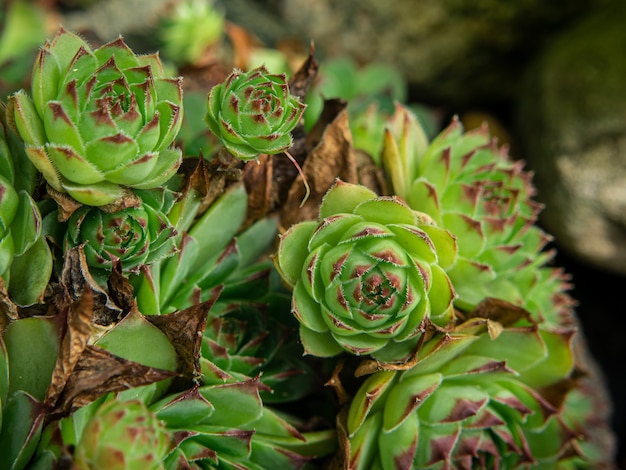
{"x":192,"y":27}
{"x":122,"y":435}
{"x":136,"y":236}
{"x":468,"y":185}
{"x":473,"y":400}
{"x":253,"y":113}
{"x":25,"y":259}
{"x":367,"y":275}
{"x":99,"y":121}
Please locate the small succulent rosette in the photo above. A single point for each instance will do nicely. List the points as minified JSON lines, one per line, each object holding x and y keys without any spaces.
{"x":473,"y":401}
{"x":99,"y":121}
{"x":468,"y":185}
{"x":122,"y":434}
{"x":25,"y":259}
{"x":135,"y":236}
{"x":253,"y":113}
{"x":367,"y":276}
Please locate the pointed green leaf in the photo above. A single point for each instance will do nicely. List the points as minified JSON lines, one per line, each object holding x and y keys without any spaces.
{"x":22,"y":418}
{"x":27,"y":120}
{"x":30,"y":274}
{"x":236,"y":404}
{"x":344,"y":198}
{"x":32,"y":345}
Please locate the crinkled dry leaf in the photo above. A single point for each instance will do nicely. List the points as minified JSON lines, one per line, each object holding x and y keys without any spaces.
{"x":262,"y":193}
{"x":210,"y":178}
{"x":75,"y":279}
{"x":331,"y":157}
{"x":501,"y":311}
{"x":369,"y":174}
{"x":301,"y":81}
{"x":184,"y":329}
{"x":98,"y":372}
{"x":75,"y":336}
{"x":243,"y":42}
{"x":120,"y":290}
{"x":8,"y":310}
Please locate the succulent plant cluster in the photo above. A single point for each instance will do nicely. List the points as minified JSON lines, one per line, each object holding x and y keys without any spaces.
{"x":158,"y":312}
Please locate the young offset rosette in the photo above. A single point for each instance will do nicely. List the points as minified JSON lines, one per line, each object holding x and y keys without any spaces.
{"x":122,"y":435}
{"x":253,"y":112}
{"x":472,"y":401}
{"x":136,"y":236}
{"x":367,"y":276}
{"x":468,"y":185}
{"x":99,"y":121}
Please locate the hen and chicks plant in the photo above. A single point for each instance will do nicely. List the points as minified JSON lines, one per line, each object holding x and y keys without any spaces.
{"x":179,"y":332}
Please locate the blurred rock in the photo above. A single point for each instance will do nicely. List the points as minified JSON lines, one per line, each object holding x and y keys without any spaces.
{"x":572,"y":128}
{"x":450,"y":51}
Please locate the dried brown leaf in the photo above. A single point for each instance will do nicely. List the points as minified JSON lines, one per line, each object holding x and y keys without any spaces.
{"x":301,"y":81}
{"x":120,"y":290}
{"x":8,"y":310}
{"x":369,"y":173}
{"x":75,"y":279}
{"x":262,"y":196}
{"x":185,"y":329}
{"x":210,"y":178}
{"x":501,"y":311}
{"x":331,"y":157}
{"x":243,"y":42}
{"x":98,"y":372}
{"x":74,"y":341}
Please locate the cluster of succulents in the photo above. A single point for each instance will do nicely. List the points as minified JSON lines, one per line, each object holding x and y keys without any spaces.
{"x":153,"y":317}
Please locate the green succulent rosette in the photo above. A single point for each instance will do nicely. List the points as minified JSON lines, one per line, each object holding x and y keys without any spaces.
{"x":25,"y":259}
{"x":253,"y":113}
{"x":367,"y":276}
{"x":467,"y":184}
{"x":190,"y":30}
{"x":134,"y":236}
{"x":99,"y":120}
{"x":474,"y":400}
{"x":122,"y":435}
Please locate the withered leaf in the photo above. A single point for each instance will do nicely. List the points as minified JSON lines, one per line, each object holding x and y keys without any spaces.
{"x":8,"y":310}
{"x":336,"y":384}
{"x":75,"y":279}
{"x":66,"y":204}
{"x":301,"y":81}
{"x":120,"y":290}
{"x":74,"y":341}
{"x":98,"y":372}
{"x":501,"y":311}
{"x":262,"y":196}
{"x":369,"y":173}
{"x":243,"y":42}
{"x":331,"y":157}
{"x":185,"y":329}
{"x":210,"y":178}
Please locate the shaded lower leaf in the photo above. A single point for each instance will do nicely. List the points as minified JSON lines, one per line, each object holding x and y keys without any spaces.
{"x":22,"y":419}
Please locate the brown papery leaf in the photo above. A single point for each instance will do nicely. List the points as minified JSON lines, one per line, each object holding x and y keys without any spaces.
{"x":75,"y":279}
{"x":501,"y":311}
{"x":73,"y":343}
{"x":185,"y":329}
{"x":332,"y":156}
{"x":8,"y":310}
{"x":262,"y":193}
{"x":98,"y":372}
{"x":301,"y":81}
{"x":369,"y":173}
{"x":120,"y":289}
{"x":210,"y":178}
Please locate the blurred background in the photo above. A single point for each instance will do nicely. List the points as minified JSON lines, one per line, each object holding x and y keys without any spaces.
{"x":549,"y":77}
